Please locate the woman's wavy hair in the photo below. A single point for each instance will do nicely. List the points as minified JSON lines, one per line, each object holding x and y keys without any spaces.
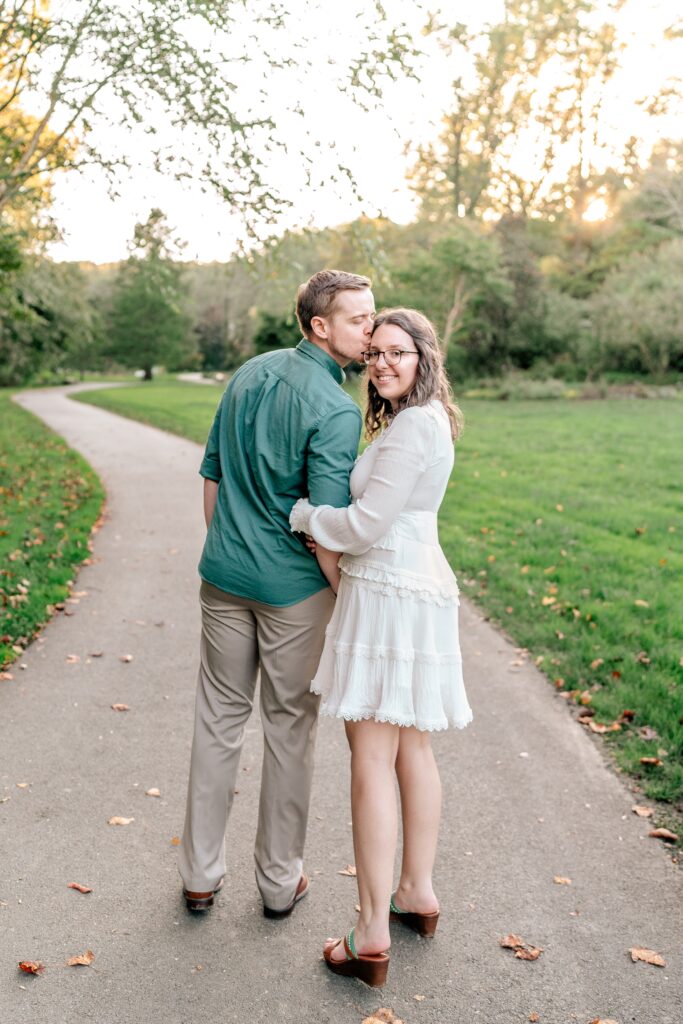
{"x":431,"y":381}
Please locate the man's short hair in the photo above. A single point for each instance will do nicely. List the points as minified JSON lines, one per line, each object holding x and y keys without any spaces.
{"x":316,"y":297}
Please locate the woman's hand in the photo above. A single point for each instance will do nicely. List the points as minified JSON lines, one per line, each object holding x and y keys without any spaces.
{"x":310,"y":543}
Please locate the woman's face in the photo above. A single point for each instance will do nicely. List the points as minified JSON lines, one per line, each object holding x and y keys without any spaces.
{"x":393,"y":379}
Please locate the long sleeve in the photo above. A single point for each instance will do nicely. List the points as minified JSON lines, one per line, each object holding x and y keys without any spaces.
{"x":406,"y":451}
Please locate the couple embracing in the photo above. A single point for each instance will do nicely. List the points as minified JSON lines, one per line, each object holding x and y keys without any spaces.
{"x":370,"y":637}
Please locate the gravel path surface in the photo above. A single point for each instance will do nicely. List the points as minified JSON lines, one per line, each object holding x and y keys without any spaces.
{"x":527,"y":797}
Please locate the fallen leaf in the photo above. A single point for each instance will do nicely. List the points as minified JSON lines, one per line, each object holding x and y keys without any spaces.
{"x":23,"y":785}
{"x":615,"y":673}
{"x":604,"y":1020}
{"x":348,"y":870}
{"x":153,"y":792}
{"x":627,"y":715}
{"x":125,"y":657}
{"x":642,"y":657}
{"x":648,"y":956}
{"x":120,"y":707}
{"x":82,"y":959}
{"x":419,"y":999}
{"x":534,"y":1018}
{"x":642,"y":812}
{"x":71,"y":659}
{"x":646,"y":732}
{"x":641,"y":604}
{"x":560,"y":880}
{"x":6,"y":676}
{"x":175,"y":841}
{"x":597,"y":663}
{"x":523,"y":950}
{"x":79,"y":887}
{"x":655,"y":761}
{"x":558,"y":683}
{"x":78,"y":593}
{"x":31,"y":966}
{"x":560,"y":508}
{"x":383,"y":1016}
{"x":664,"y":833}
{"x":548,"y":600}
{"x":96,"y":654}
{"x":585,"y":697}
{"x":528,"y":953}
{"x":119,"y":821}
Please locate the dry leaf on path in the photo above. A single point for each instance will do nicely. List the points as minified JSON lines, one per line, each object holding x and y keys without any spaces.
{"x":642,"y":811}
{"x":31,"y":966}
{"x":79,"y":887}
{"x":119,"y":821}
{"x":604,"y":1020}
{"x":81,"y":960}
{"x":120,"y":707}
{"x":348,"y":870}
{"x":648,"y":956}
{"x":523,"y":950}
{"x":419,"y":999}
{"x":382,"y":1016}
{"x":560,"y":880}
{"x":23,"y":785}
{"x":125,"y":657}
{"x":175,"y":841}
{"x":153,"y":792}
{"x":71,"y":659}
{"x":534,"y":1018}
{"x":664,"y":833}
{"x":96,"y":654}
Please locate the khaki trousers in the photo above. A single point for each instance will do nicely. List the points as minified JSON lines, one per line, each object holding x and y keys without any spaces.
{"x":238,"y":637}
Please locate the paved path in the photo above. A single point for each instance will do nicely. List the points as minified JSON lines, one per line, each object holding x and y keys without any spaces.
{"x":527,"y":797}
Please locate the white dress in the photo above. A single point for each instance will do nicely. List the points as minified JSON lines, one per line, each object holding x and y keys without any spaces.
{"x":391,"y":648}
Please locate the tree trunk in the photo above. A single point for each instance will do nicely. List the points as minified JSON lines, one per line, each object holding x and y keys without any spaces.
{"x":454,"y":318}
{"x":147,"y":373}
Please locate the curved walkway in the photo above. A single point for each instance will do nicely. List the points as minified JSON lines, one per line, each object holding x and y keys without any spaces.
{"x":527,"y":798}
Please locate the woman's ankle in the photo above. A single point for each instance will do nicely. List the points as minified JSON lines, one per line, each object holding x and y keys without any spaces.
{"x":418,"y":899}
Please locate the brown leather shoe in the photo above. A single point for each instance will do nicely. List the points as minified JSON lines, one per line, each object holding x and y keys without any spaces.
{"x":201,"y":900}
{"x":301,"y":890}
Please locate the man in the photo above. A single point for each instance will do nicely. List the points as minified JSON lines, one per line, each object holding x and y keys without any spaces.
{"x":284,"y":428}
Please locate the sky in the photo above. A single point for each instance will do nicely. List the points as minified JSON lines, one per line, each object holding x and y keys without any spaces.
{"x":372,"y":143}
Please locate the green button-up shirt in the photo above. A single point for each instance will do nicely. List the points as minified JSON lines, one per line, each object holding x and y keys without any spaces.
{"x":284,"y":429}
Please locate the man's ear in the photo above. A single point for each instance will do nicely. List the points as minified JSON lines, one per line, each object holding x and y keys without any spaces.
{"x":319,"y":327}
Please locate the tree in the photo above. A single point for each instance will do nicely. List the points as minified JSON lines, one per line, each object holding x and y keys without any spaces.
{"x":638,"y":313}
{"x":148,"y":324}
{"x":462,"y":286}
{"x":276,"y":332}
{"x":102,"y":62}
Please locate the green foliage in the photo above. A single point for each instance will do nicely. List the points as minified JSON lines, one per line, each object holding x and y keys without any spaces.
{"x":275,"y":332}
{"x":638,"y":313}
{"x":147,"y":323}
{"x":50,"y":500}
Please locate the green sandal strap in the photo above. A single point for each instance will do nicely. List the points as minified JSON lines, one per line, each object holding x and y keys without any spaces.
{"x":350,"y":946}
{"x":392,"y":906}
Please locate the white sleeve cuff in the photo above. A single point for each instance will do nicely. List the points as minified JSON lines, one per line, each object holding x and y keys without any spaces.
{"x":300,"y":516}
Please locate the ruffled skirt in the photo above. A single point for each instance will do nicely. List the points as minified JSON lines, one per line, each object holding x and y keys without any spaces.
{"x":391,"y":650}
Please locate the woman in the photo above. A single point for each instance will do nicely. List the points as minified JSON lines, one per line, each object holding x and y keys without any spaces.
{"x":391,"y":663}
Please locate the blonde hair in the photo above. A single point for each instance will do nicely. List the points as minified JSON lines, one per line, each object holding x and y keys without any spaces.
{"x":431,"y":381}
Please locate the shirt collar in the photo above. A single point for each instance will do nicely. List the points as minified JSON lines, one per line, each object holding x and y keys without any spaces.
{"x":307,"y":348}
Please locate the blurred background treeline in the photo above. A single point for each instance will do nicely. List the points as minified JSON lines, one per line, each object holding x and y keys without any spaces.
{"x":566,"y":273}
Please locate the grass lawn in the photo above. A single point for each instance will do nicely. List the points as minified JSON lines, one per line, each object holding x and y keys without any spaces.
{"x":564,"y":521}
{"x":49,"y":500}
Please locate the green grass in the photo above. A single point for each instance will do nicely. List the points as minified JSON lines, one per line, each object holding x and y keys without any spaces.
{"x":181,"y":408}
{"x":564,"y":521}
{"x":49,"y":500}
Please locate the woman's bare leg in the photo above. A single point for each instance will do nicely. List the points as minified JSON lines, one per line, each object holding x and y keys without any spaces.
{"x":373,"y":806}
{"x":420,"y":788}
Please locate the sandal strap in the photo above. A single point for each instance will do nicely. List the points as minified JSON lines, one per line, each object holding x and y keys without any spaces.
{"x":350,"y":946}
{"x":392,"y":906}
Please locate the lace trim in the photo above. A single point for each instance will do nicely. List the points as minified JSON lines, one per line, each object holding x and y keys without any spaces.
{"x":379,"y":651}
{"x":300,"y":515}
{"x":403,"y":721}
{"x":400,"y":582}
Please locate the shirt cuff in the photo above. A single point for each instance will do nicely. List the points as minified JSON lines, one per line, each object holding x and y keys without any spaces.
{"x":300,"y":516}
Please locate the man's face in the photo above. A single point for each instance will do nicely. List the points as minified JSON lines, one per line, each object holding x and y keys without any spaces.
{"x":345,"y":334}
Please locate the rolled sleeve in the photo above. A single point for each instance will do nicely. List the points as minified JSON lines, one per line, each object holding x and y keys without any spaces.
{"x":332,"y":451}
{"x":210,"y":467}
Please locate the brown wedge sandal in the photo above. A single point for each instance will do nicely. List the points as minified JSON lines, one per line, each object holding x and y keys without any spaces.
{"x":368,"y":967}
{"x":423,"y":924}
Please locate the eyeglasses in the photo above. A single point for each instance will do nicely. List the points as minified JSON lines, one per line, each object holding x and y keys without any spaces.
{"x":392,"y":356}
